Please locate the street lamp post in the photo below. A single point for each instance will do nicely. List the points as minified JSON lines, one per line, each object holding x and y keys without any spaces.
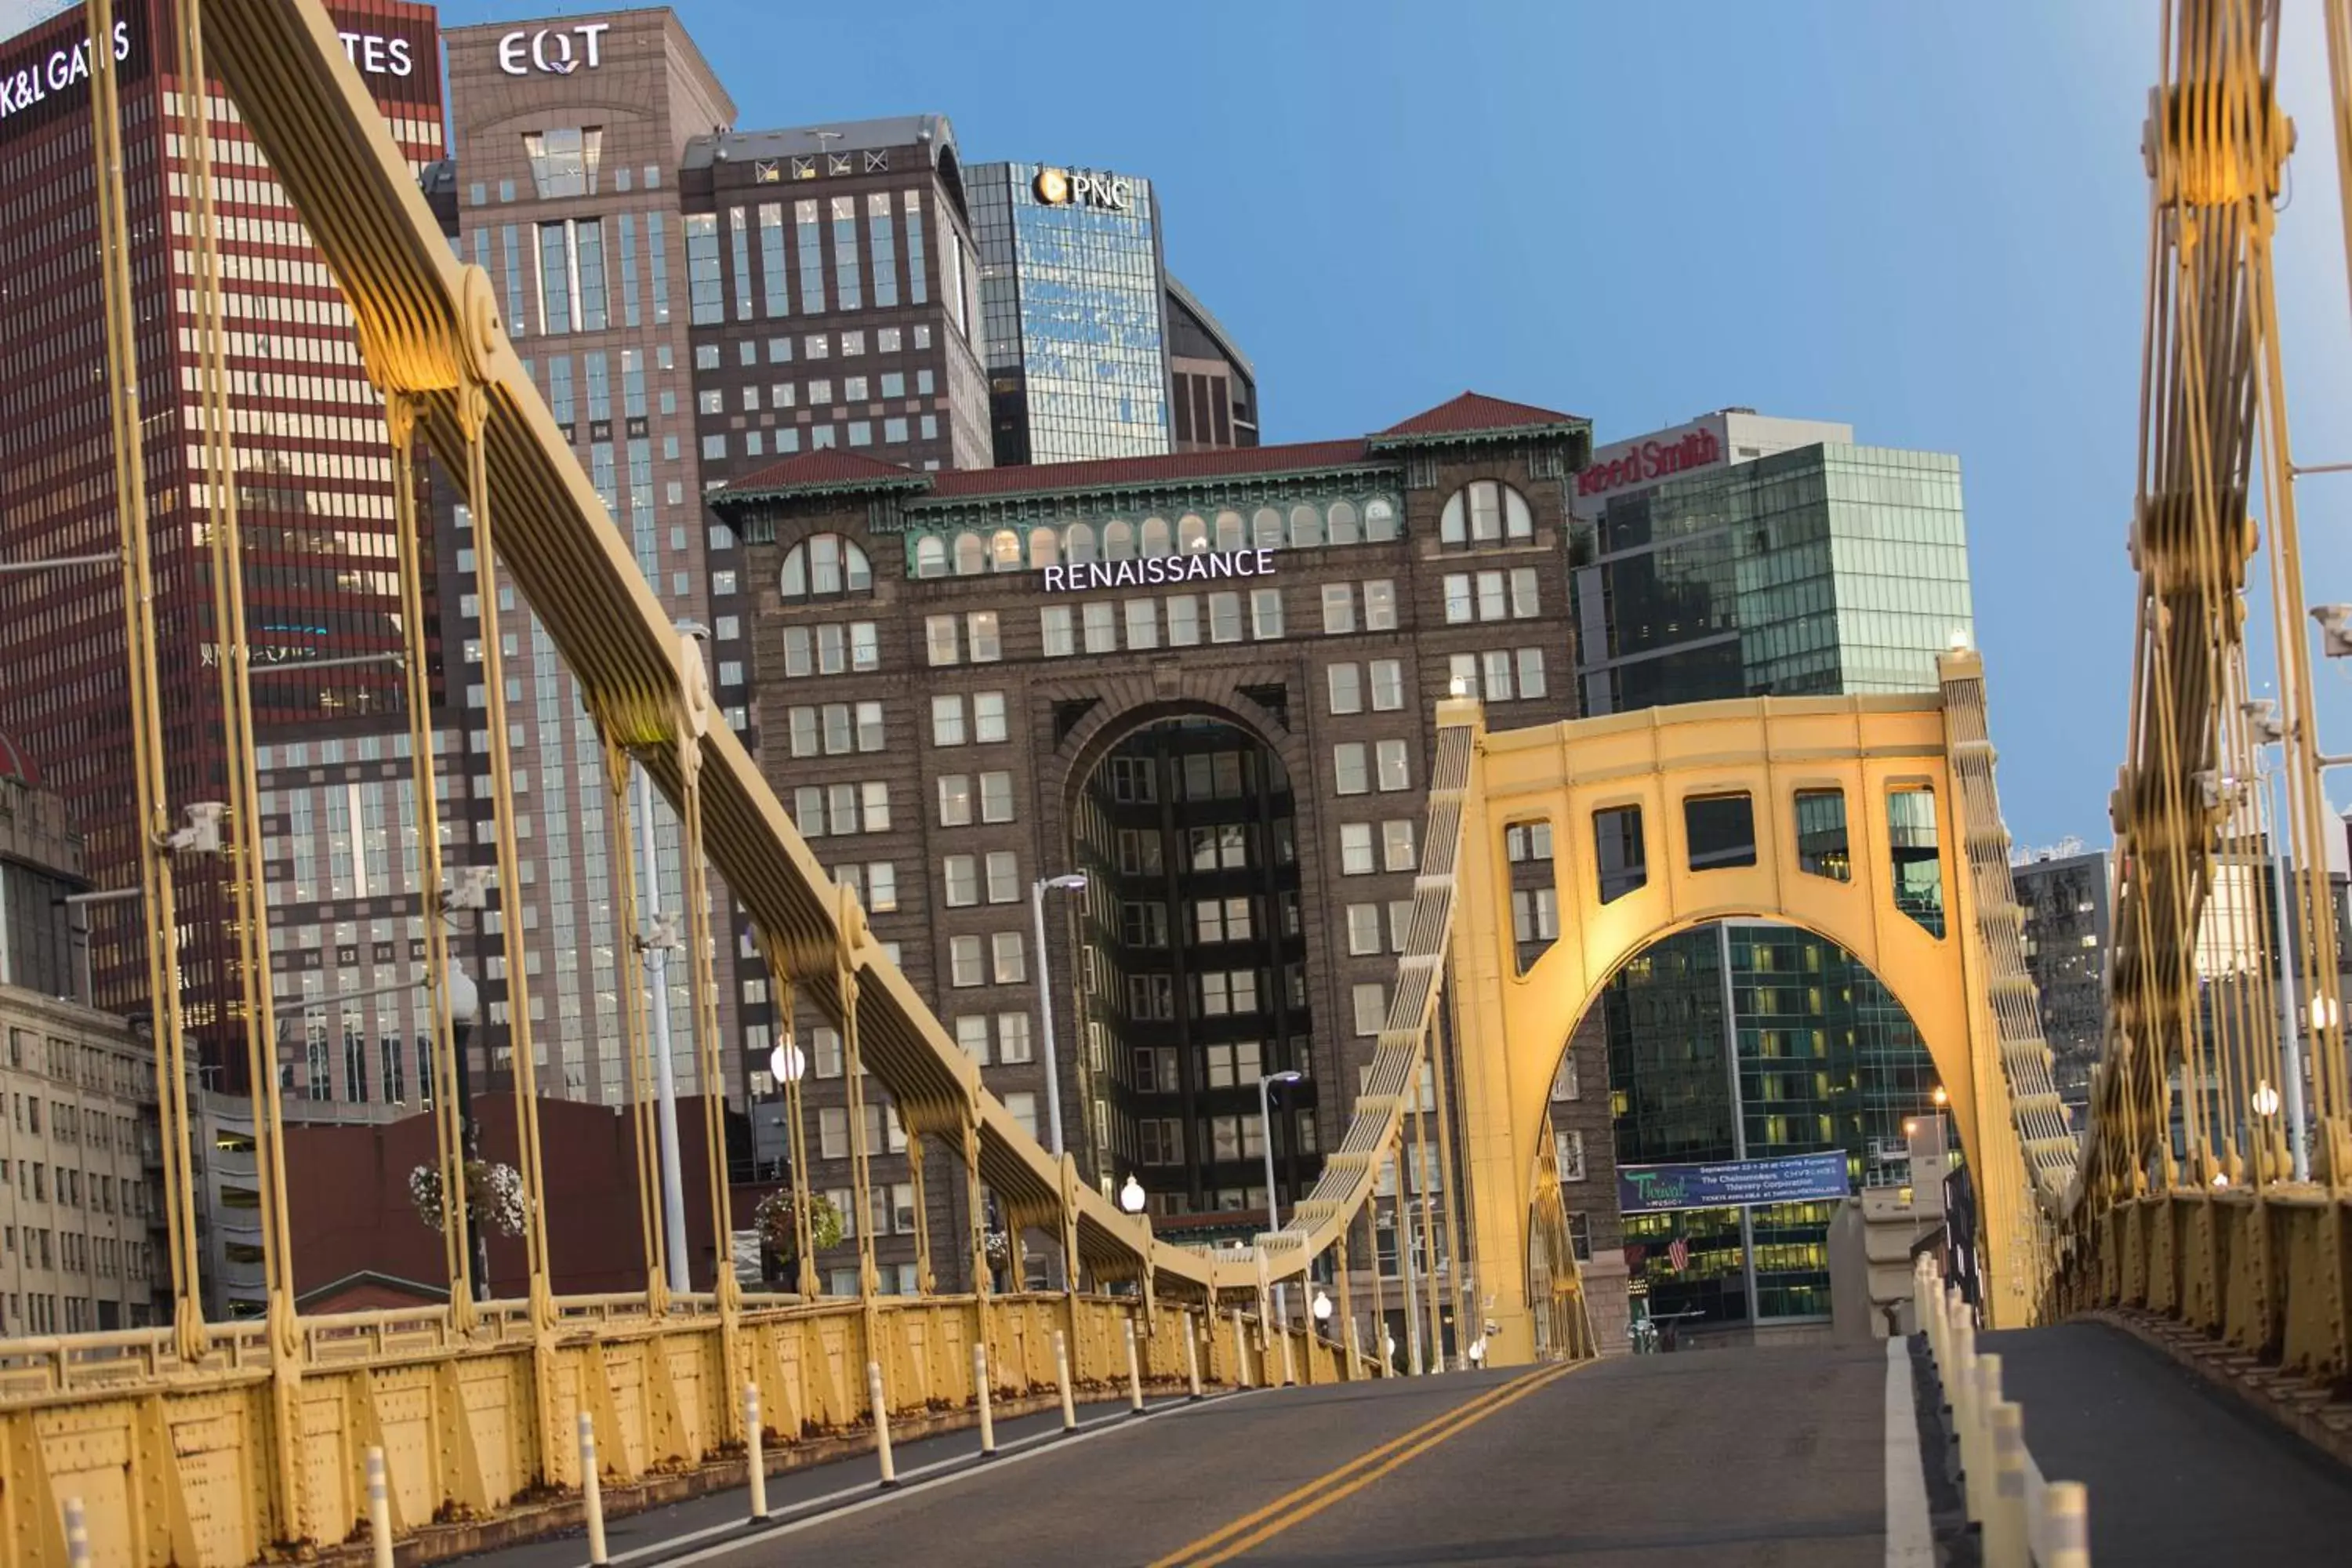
{"x":1070,"y":882}
{"x":789,"y":1064}
{"x":1266,"y":1146}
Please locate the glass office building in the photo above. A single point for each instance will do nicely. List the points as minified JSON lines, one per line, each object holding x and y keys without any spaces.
{"x":1828,"y":568}
{"x":1073,"y":303}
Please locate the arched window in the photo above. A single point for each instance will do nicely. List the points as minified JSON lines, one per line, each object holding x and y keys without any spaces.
{"x":1155,"y":536}
{"x":970,"y":556}
{"x":1485,"y":512}
{"x":1045,"y":548}
{"x":1380,"y":521}
{"x":824,"y":565}
{"x":930,"y":557}
{"x":1118,"y":540}
{"x":1306,"y":526}
{"x":1191,"y":534}
{"x":1078,"y":543}
{"x":1004,"y":550}
{"x":1267,"y":526}
{"x":1342,"y":520}
{"x":1229,"y":533}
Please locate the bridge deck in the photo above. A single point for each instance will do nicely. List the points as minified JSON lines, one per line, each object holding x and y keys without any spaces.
{"x":1721,"y":1459}
{"x":2179,"y":1471}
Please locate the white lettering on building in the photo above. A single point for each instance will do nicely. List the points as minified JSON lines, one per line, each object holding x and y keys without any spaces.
{"x":1155,"y":570}
{"x":376,"y":55}
{"x":553,"y":51}
{"x":21,"y":89}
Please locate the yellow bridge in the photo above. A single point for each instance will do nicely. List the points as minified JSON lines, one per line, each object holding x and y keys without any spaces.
{"x":225,"y":1444}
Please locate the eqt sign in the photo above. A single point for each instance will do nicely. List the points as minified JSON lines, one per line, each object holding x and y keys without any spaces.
{"x":553,"y":51}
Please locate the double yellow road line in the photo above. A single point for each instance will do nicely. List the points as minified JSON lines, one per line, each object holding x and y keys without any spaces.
{"x":1305,"y":1503}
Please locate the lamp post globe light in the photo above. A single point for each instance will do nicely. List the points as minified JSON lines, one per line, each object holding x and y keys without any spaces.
{"x":1131,"y":1197}
{"x":464,"y":1011}
{"x":1068,"y":882}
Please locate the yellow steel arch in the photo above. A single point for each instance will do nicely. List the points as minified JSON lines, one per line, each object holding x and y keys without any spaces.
{"x":1512,"y":1026}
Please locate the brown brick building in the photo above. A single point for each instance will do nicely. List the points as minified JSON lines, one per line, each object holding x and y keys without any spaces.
{"x":1205,"y":681}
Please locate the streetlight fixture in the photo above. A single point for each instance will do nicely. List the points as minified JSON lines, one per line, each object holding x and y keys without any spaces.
{"x":1941,"y":1096}
{"x":1321,"y":1308}
{"x":1265,"y":1147}
{"x":1131,"y":1197}
{"x":1069,"y":882}
{"x":465,"y":1010}
{"x":2266,"y":1101}
{"x":2266,"y":728}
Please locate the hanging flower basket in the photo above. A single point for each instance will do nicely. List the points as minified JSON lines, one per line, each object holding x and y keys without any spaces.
{"x":493,"y":1196}
{"x":998,"y":1246}
{"x":777,"y":1233}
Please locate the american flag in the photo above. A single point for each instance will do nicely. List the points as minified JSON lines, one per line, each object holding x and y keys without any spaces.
{"x":1678,"y":1254}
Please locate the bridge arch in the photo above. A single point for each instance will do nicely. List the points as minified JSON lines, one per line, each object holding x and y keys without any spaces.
{"x":1673,"y":818}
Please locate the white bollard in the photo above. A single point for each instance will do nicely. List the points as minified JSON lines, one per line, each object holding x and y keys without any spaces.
{"x":1289,"y":1368}
{"x":1960,"y":1391}
{"x":1192,"y":1354}
{"x":77,"y":1534}
{"x":1241,"y":1353}
{"x":592,"y":1492}
{"x":881,"y":1423}
{"x":2066,"y":1525}
{"x":1062,"y":1376}
{"x":755,"y":1452}
{"x":378,"y":1509}
{"x":987,"y":1413}
{"x":2006,"y":1543}
{"x":1134,"y":1373}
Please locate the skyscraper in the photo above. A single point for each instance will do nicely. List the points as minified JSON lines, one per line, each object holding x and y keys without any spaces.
{"x":314,"y":493}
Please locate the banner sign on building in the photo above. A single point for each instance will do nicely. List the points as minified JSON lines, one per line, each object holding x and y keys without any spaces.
{"x":1732,"y":1183}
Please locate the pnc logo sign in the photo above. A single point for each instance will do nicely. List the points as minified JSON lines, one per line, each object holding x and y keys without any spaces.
{"x":1651,"y":461}
{"x":553,"y":51}
{"x":1082,"y":187}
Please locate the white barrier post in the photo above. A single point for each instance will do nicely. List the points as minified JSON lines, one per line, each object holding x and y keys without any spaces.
{"x":1984,"y":1395}
{"x":1289,"y":1367}
{"x":987,"y":1412}
{"x":881,"y":1423}
{"x":1134,"y":1372}
{"x":78,"y":1533}
{"x":1062,"y":1375}
{"x":592,"y":1491}
{"x":755,"y":1452}
{"x":378,"y":1509}
{"x":1241,"y":1353}
{"x":2006,"y":1543}
{"x":1192,"y":1354}
{"x":1960,"y":1392}
{"x":2066,"y":1525}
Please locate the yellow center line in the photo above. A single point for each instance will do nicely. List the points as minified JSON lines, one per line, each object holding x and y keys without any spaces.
{"x":1306,"y":1501}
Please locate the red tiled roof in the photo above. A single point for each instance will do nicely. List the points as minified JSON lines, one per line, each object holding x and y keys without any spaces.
{"x":18,"y":763}
{"x":1106,"y":471}
{"x":835,"y":470}
{"x":823,"y":469}
{"x":1476,"y":410}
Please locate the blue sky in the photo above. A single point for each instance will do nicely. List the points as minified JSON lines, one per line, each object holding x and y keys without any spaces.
{"x":1927,"y":221}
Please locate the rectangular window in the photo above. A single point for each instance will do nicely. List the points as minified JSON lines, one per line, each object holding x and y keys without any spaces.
{"x":1054,"y":632}
{"x":1005,"y":954}
{"x":1349,"y":775}
{"x":1380,"y":605}
{"x":1617,"y":851}
{"x":988,"y":723}
{"x":1004,"y":876}
{"x":955,"y":800}
{"x":1364,"y":929}
{"x":980,"y":630}
{"x":1397,"y":845}
{"x":1012,"y":1038}
{"x":1493,"y":603}
{"x":1822,"y":847}
{"x":1266,"y":612}
{"x":947,"y":721}
{"x":1460,"y":605}
{"x":1388,"y":685}
{"x":961,"y":873}
{"x":1356,"y":849}
{"x":739,"y":235}
{"x":996,"y":797}
{"x":1225,"y":617}
{"x":885,"y":252}
{"x":1371,"y":1005}
{"x":918,"y":286}
{"x":1531,"y":672}
{"x":1495,"y":666}
{"x":705,"y":295}
{"x":657,"y":256}
{"x":1720,"y":831}
{"x":811,"y":255}
{"x":846,"y":285}
{"x":1395,"y":769}
{"x":939,"y":638}
{"x":1525,"y":600}
{"x":588,"y":239}
{"x":1339,"y":608}
{"x":1184,"y":621}
{"x":1347,"y":687}
{"x":775,"y":284}
{"x":1917,"y":862}
{"x":1142,"y":624}
{"x":971,"y":1037}
{"x":965,"y":963}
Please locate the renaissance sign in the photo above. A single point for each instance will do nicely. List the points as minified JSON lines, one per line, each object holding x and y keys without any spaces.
{"x":1155,"y":571}
{"x":1732,"y":1183}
